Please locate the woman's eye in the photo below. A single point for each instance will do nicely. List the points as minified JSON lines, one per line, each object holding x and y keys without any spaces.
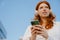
{"x":41,"y":7}
{"x":47,"y":7}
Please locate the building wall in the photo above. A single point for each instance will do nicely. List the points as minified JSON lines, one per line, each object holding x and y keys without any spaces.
{"x":3,"y":32}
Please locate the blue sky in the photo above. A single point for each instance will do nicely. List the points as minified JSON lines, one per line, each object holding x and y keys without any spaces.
{"x":17,"y":14}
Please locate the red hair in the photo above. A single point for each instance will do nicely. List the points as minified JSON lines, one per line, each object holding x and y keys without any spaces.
{"x":50,"y":18}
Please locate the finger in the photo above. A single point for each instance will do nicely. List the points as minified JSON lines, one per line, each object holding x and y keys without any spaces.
{"x":34,"y":32}
{"x":44,"y":35}
{"x":35,"y":28}
{"x":39,"y":26}
{"x":39,"y":32}
{"x":31,"y":28}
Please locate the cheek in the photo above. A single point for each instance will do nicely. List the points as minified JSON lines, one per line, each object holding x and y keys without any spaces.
{"x":39,"y":11}
{"x":48,"y":10}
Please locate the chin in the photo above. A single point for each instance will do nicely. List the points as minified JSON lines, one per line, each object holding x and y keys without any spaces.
{"x":45,"y":16}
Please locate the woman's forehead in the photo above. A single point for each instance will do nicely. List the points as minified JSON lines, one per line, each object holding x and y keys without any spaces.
{"x":43,"y":4}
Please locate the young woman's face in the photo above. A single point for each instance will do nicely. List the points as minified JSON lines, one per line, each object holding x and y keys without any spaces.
{"x":43,"y":10}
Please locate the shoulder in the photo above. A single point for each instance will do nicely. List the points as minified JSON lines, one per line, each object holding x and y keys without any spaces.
{"x":28,"y":31}
{"x":57,"y":23}
{"x":56,"y":26}
{"x":28,"y":28}
{"x":55,"y":31}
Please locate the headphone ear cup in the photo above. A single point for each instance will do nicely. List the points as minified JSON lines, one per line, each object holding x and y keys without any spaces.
{"x":36,"y":11}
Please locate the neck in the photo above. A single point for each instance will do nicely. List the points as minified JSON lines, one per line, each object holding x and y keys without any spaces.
{"x":44,"y":21}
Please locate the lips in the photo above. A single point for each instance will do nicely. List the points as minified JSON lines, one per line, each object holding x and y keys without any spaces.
{"x":44,"y":13}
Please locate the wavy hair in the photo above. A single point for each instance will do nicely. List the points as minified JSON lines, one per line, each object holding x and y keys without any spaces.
{"x":50,"y":18}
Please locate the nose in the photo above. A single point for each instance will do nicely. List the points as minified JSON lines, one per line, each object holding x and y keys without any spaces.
{"x":44,"y":9}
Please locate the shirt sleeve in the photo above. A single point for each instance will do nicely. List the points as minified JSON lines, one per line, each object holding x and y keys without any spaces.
{"x":54,"y":34}
{"x":27,"y":34}
{"x":58,"y":34}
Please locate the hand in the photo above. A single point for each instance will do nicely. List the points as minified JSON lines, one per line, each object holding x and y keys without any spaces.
{"x":39,"y":30}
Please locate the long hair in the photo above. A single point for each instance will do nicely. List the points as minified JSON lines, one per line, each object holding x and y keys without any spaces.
{"x":50,"y":18}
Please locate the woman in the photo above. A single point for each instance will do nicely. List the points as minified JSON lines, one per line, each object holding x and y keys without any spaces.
{"x":47,"y":28}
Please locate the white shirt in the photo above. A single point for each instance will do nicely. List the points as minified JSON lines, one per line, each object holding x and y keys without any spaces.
{"x":54,"y":33}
